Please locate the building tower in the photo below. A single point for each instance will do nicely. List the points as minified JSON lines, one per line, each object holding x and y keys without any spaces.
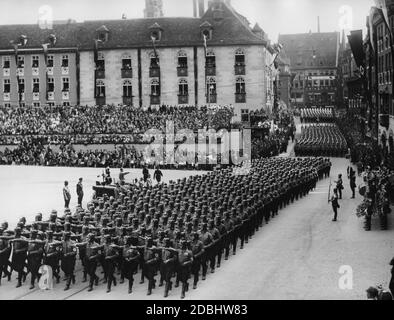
{"x":153,"y":8}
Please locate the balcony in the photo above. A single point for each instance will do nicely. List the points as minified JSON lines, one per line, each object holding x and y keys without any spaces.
{"x":6,"y":96}
{"x":154,"y":100}
{"x":183,"y":99}
{"x":65,"y":95}
{"x":36,"y":96}
{"x":51,"y":95}
{"x":65,"y":71}
{"x":240,"y":70}
{"x":100,"y":101}
{"x":212,"y":98}
{"x":182,"y":71}
{"x":50,"y":71}
{"x":127,"y":73}
{"x":35,"y":71}
{"x":6,"y":72}
{"x":100,"y":74}
{"x":154,"y":72}
{"x":128,"y":101}
{"x":210,"y":70}
{"x":20,"y":72}
{"x":240,"y":97}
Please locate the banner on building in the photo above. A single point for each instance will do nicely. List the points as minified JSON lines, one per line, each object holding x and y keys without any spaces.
{"x":382,"y":5}
{"x":357,"y":46}
{"x":370,"y":28}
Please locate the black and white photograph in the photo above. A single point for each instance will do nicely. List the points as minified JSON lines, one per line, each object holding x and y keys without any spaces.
{"x":173,"y":151}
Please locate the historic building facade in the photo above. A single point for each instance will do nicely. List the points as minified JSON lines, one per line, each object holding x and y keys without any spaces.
{"x":379,"y":64}
{"x":314,"y":67}
{"x":213,"y":59}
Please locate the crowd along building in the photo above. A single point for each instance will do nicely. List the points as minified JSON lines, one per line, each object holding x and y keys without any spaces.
{"x":214,"y":57}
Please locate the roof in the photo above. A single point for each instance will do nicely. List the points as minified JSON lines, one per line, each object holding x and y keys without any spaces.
{"x":135,"y":33}
{"x":302,"y":48}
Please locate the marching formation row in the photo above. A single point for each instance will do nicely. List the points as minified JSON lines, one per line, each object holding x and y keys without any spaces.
{"x":172,"y":229}
{"x":321,"y":140}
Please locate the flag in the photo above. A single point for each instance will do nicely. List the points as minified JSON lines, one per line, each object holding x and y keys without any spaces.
{"x":154,"y":49}
{"x":356,"y":45}
{"x":205,"y":45}
{"x":382,"y":5}
{"x":96,"y":45}
{"x":16,"y":45}
{"x":370,"y":28}
{"x":45,"y":49}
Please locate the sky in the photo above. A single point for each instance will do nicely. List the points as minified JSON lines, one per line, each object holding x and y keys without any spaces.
{"x":274,"y":16}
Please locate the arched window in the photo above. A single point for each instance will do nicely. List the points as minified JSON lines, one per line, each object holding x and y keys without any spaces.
{"x":182,"y":59}
{"x":183,"y":87}
{"x":239,"y":57}
{"x":240,"y":85}
{"x":127,"y":89}
{"x":154,"y":60}
{"x":155,"y":87}
{"x":126,"y":62}
{"x":211,"y":59}
{"x":100,"y":88}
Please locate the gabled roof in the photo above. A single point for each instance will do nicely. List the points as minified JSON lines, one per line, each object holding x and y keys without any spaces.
{"x":301,"y":48}
{"x":135,"y":33}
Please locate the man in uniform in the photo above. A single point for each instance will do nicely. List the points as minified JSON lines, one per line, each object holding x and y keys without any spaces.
{"x":150,"y":264}
{"x":52,"y":251}
{"x":197,"y":248}
{"x":34,"y":256}
{"x":66,"y":195}
{"x":110,"y":254}
{"x":167,"y":265}
{"x":185,"y":258}
{"x":5,"y":251}
{"x":69,"y":252}
{"x":80,"y":192}
{"x":130,"y":263}
{"x":91,"y":258}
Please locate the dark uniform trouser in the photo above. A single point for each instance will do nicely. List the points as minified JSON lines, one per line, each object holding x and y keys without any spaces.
{"x":4,"y":263}
{"x":82,"y":257}
{"x":184,"y":276}
{"x":18,"y":264}
{"x":109,"y":269}
{"x":68,"y":266}
{"x":53,"y":262}
{"x":91,"y":266}
{"x":128,"y":270}
{"x":149,"y":270}
{"x":220,"y":245}
{"x":166,"y":272}
{"x":33,"y":265}
{"x":196,"y":264}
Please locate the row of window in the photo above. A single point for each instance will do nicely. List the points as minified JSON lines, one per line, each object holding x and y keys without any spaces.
{"x":384,"y":62}
{"x":385,"y":77}
{"x":182,"y":60}
{"x":314,"y":83}
{"x":38,"y":104}
{"x":35,"y":61}
{"x":183,"y":87}
{"x":36,"y":85}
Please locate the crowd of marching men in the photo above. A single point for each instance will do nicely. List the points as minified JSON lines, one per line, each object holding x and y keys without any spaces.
{"x":313,"y":115}
{"x":178,"y":231}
